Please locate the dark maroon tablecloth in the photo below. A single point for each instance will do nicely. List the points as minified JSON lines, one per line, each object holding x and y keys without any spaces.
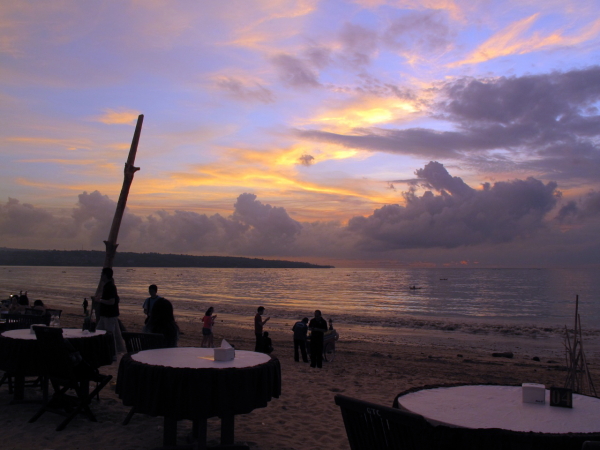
{"x":20,"y":356}
{"x":184,"y":393}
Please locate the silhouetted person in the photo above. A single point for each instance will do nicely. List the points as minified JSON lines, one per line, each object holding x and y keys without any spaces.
{"x":300,"y":330}
{"x":108,"y":310}
{"x":317,"y":326}
{"x":163,"y":322}
{"x":149,"y":302}
{"x":207,"y":328}
{"x":258,"y":328}
{"x":267,"y":343}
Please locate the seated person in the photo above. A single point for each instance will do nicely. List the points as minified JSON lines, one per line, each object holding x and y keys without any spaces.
{"x":15,"y":307}
{"x":267,"y":343}
{"x":39,"y":305}
{"x":162,"y":321}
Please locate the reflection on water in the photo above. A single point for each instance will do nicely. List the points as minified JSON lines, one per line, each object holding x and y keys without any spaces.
{"x":375,"y":295}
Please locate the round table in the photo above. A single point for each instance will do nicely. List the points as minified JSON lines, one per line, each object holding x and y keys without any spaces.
{"x":187,"y":383}
{"x":19,"y":352}
{"x":481,"y":415}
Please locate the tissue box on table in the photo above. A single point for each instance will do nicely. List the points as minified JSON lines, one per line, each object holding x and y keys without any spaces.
{"x":224,"y":353}
{"x":534,"y":393}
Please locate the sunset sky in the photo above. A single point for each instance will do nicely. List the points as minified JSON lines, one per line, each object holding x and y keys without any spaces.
{"x":354,"y":133}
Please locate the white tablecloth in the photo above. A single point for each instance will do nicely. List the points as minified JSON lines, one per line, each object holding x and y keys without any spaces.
{"x":502,"y":407}
{"x":68,"y":333}
{"x":197,"y":358}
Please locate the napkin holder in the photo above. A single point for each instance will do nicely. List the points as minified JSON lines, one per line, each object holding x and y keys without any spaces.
{"x":225,"y":352}
{"x":534,"y":393}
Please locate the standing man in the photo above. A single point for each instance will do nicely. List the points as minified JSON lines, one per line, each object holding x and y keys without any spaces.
{"x":149,"y":302}
{"x":300,"y":329}
{"x":258,"y":328}
{"x":108,"y":310}
{"x":318,"y":327}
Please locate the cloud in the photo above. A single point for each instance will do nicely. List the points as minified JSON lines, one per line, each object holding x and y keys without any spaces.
{"x":306,"y":160}
{"x":588,"y":207}
{"x":513,"y":40}
{"x":419,"y":34}
{"x":118,"y":117}
{"x":295,"y":72}
{"x":242,"y":91}
{"x":546,"y":124}
{"x":459,"y":215}
{"x":359,"y":44}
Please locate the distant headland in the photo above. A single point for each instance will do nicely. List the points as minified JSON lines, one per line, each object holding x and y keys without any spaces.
{"x":95,"y":258}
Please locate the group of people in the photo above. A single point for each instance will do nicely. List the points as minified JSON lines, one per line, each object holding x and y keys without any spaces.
{"x":160,"y":319}
{"x":317,"y":326}
{"x":18,"y":304}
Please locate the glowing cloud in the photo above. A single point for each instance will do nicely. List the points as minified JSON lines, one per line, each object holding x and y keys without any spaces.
{"x":118,"y":117}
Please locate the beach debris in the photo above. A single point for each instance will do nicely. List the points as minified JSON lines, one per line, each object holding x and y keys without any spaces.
{"x":503,"y":354}
{"x":536,"y":358}
{"x":578,"y":377}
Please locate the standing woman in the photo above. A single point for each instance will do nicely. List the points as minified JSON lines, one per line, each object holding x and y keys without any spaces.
{"x":207,"y":325}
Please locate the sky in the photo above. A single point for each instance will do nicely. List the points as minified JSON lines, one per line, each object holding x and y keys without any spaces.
{"x":365,"y":133}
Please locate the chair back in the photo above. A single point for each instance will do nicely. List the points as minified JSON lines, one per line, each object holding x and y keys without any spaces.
{"x":22,"y":321}
{"x":136,"y":342}
{"x":54,"y":352}
{"x":53,"y":312}
{"x":370,"y":426}
{"x":34,"y":312}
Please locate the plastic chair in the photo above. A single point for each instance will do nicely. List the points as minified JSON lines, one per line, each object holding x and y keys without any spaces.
{"x":66,"y":371}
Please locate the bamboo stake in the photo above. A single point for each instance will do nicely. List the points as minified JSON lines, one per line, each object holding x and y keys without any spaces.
{"x":128,"y":173}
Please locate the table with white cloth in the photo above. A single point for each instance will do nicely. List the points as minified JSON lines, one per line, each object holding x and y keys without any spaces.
{"x":187,"y":383}
{"x":493,"y":416}
{"x":19,"y":352}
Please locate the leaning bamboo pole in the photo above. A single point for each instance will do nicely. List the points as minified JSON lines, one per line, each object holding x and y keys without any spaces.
{"x":128,"y":172}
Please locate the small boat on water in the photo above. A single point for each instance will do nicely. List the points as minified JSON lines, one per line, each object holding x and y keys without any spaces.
{"x":413,"y":287}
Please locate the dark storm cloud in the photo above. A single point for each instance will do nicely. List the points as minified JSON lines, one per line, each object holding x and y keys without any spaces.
{"x":585,"y":208}
{"x":459,"y":215}
{"x":295,"y":72}
{"x":544,"y":123}
{"x":422,"y":32}
{"x":240,"y":91}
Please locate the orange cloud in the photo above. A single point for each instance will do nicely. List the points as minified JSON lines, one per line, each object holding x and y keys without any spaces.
{"x":512,"y":41}
{"x":121,"y":117}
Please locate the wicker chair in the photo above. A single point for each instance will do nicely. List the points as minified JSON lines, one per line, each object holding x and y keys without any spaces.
{"x":136,"y":342}
{"x":65,"y":373}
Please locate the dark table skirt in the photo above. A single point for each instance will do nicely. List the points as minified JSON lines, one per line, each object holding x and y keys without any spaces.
{"x":182,"y":393}
{"x":21,"y":355}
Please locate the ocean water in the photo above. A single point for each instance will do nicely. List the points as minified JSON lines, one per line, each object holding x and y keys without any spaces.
{"x":509,"y":301}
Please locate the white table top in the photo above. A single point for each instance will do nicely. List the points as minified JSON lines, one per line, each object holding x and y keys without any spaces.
{"x":197,"y":358}
{"x":68,"y":333}
{"x":502,"y":407}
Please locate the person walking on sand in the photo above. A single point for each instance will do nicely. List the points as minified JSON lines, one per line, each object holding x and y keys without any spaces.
{"x":317,"y":327}
{"x":258,"y":328}
{"x":108,"y":311}
{"x":300,"y":330}
{"x":149,"y":302}
{"x":208,"y":322}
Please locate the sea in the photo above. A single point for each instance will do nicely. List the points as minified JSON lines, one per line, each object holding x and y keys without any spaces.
{"x":534,"y":302}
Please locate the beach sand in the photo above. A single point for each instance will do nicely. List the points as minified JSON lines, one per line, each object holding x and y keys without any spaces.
{"x":372,"y":364}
